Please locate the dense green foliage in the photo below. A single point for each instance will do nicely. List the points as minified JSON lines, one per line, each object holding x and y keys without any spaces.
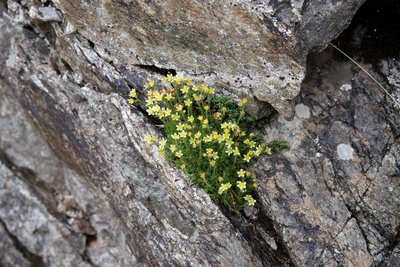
{"x":207,"y":136}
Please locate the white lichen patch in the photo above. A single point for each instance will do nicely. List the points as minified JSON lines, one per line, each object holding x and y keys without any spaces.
{"x":302,"y":111}
{"x":346,"y":87}
{"x":345,"y":152}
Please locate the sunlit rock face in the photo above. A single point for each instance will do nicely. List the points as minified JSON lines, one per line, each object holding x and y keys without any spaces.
{"x":256,"y":49}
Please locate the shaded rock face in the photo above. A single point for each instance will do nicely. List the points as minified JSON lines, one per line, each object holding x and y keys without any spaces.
{"x":335,"y":195}
{"x":78,"y":185}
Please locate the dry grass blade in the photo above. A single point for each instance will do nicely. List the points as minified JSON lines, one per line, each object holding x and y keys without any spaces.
{"x":369,"y":75}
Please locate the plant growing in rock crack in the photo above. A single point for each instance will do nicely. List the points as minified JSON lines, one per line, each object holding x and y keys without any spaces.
{"x":207,"y":136}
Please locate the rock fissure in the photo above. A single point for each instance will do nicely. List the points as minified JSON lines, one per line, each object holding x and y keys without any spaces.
{"x":306,"y":197}
{"x":34,"y":259}
{"x":41,"y":190}
{"x":248,"y":230}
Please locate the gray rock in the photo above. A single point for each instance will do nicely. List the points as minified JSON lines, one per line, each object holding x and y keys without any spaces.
{"x":90,"y":191}
{"x":252,"y":48}
{"x":46,"y":14}
{"x":78,"y":186}
{"x":330,"y":211}
{"x":11,"y":255}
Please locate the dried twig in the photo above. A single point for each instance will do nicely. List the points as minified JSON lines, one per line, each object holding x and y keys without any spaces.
{"x":369,"y":75}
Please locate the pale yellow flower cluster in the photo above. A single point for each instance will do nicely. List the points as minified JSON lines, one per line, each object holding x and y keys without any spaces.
{"x":203,"y":137}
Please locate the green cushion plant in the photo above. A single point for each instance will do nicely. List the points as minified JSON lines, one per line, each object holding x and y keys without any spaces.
{"x":207,"y":136}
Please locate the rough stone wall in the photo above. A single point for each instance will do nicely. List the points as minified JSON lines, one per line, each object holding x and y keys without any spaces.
{"x":78,"y":186}
{"x":254,"y":48}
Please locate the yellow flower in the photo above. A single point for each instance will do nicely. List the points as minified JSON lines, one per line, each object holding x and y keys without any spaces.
{"x":215,"y":156}
{"x":212,"y":163}
{"x":180,"y":126}
{"x":202,"y":175}
{"x":229,"y":142}
{"x":208,"y":138}
{"x":149,"y":84}
{"x":179,"y":107}
{"x":241,"y":173}
{"x":247,"y":157}
{"x":241,"y":185}
{"x":236,"y":152}
{"x":133,"y":93}
{"x":197,"y":135}
{"x":224,"y":187}
{"x":197,"y":98}
{"x":183,"y":134}
{"x":252,"y":144}
{"x":156,"y":108}
{"x":206,"y":107}
{"x":268,"y":150}
{"x":250,"y":200}
{"x":229,"y":151}
{"x":224,"y":125}
{"x":205,"y":88}
{"x":183,"y":166}
{"x":220,"y":178}
{"x":177,"y":79}
{"x":192,"y":141}
{"x":175,"y":136}
{"x":173,"y":148}
{"x":179,"y":154}
{"x":169,"y":97}
{"x":175,"y":117}
{"x":190,"y":119}
{"x":185,"y":89}
{"x":200,"y":118}
{"x":131,"y":101}
{"x":169,"y":78}
{"x":167,"y":112}
{"x":149,"y":139}
{"x":188,"y":102}
{"x":149,"y":102}
{"x":162,"y":144}
{"x":159,"y":96}
{"x":243,"y":102}
{"x":259,"y":150}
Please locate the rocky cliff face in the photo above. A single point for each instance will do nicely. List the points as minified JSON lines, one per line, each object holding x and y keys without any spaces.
{"x":78,"y":187}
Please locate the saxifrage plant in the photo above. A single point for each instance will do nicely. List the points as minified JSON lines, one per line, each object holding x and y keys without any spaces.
{"x":207,"y":136}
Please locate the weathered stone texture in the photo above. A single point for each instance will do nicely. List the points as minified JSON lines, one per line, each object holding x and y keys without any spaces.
{"x":145,"y":212}
{"x":254,"y":48}
{"x":333,"y":210}
{"x":78,"y":186}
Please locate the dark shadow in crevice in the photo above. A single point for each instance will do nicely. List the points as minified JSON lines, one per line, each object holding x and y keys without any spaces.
{"x":374,"y":32}
{"x":155,"y":69}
